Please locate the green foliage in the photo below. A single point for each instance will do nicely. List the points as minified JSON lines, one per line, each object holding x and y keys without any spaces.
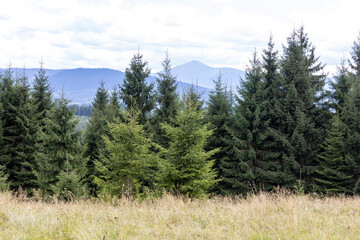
{"x":185,"y":167}
{"x":97,"y":127}
{"x":355,"y":57}
{"x":60,"y":149}
{"x":134,"y":90}
{"x":218,"y":115}
{"x":305,"y":116}
{"x":4,"y":185}
{"x":167,"y":102}
{"x":341,"y":87}
{"x":124,"y":166}
{"x":336,"y":171}
{"x":69,"y":186}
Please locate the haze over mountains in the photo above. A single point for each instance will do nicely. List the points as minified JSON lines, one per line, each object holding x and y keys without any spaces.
{"x":80,"y":84}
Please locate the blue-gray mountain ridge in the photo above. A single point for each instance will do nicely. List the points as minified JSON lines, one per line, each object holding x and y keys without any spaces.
{"x":80,"y":84}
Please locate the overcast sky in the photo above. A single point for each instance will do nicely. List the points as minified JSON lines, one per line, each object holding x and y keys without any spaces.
{"x":106,"y":33}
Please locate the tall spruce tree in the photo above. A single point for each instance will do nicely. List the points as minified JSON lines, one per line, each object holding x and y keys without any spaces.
{"x":60,"y":162}
{"x":186,"y":167}
{"x":218,"y":115}
{"x":167,"y":101}
{"x":304,"y":114}
{"x":127,"y":158}
{"x":23,"y":157}
{"x":96,"y":129}
{"x":276,"y":168}
{"x":341,"y":86}
{"x":355,"y":58}
{"x":351,"y":117}
{"x":337,"y":166}
{"x":113,"y":108}
{"x":135,"y":89}
{"x":10,"y":141}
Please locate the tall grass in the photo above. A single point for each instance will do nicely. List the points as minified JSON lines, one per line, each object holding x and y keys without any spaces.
{"x":262,"y":216}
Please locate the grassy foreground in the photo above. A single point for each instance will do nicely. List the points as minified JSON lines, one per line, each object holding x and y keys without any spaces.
{"x":262,"y":216}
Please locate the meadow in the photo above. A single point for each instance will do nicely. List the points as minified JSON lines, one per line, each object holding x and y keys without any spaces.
{"x":261,"y":216}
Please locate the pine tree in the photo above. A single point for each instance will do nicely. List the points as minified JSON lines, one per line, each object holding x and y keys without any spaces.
{"x":186,"y":168}
{"x":128,"y":156}
{"x":60,"y":156}
{"x":135,"y":90}
{"x":218,"y":115}
{"x":341,"y":87}
{"x":336,"y":171}
{"x":96,"y":129}
{"x":305,"y":114}
{"x":193,"y":96}
{"x":167,"y":101}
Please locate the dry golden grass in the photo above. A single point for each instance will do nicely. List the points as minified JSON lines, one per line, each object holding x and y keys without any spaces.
{"x":262,"y":216}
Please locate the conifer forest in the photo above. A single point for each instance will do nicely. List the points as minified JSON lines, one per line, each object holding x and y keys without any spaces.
{"x":289,"y":124}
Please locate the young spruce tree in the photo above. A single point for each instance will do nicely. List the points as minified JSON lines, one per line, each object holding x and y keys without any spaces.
{"x":186,"y":167}
{"x":337,"y":166}
{"x":127,"y":158}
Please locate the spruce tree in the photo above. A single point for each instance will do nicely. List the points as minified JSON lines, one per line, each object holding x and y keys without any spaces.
{"x":113,"y":108}
{"x":276,"y":169}
{"x":193,"y":96}
{"x":41,"y":97}
{"x":336,"y":171}
{"x":167,"y":101}
{"x":186,"y":167}
{"x":8,"y":148}
{"x":60,"y":158}
{"x":127,"y":158}
{"x":23,"y":157}
{"x":96,"y":129}
{"x":218,"y":115}
{"x":341,"y":87}
{"x":355,"y":58}
{"x":135,"y":89}
{"x":305,"y":117}
{"x":351,"y":117}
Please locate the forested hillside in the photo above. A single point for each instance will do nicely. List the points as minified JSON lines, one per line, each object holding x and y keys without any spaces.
{"x":280,"y":129}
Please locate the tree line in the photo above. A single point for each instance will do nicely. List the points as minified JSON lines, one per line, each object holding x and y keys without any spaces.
{"x":281,"y":128}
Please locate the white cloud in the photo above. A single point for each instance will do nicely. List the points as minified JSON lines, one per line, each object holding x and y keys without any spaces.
{"x":100,"y":33}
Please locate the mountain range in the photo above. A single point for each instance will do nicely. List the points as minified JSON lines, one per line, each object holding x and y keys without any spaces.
{"x":79,"y":85}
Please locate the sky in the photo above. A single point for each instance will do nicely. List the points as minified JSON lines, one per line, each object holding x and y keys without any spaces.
{"x":219,"y":33}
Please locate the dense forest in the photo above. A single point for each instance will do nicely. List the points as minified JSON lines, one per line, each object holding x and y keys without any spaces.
{"x":287,"y":125}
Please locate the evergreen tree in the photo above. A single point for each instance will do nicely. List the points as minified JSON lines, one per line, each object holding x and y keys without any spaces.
{"x":302,"y":104}
{"x":135,"y":90}
{"x":167,"y":100}
{"x":276,"y":168}
{"x":355,"y":57}
{"x":25,"y":135}
{"x":96,"y":129}
{"x":113,"y":108}
{"x":41,"y":97}
{"x":128,"y":156}
{"x":60,"y":156}
{"x":186,"y":168}
{"x":9,"y":146}
{"x":336,"y":171}
{"x":219,"y":113}
{"x":193,"y":96}
{"x":341,"y":87}
{"x":351,"y":117}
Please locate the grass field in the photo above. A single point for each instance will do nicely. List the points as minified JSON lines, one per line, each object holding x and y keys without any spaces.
{"x":263,"y":216}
